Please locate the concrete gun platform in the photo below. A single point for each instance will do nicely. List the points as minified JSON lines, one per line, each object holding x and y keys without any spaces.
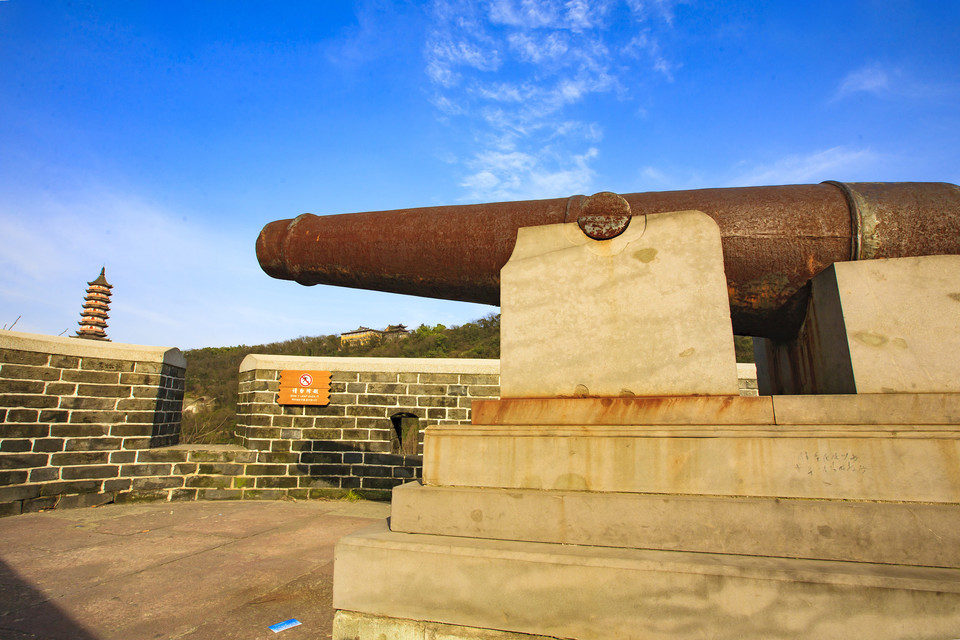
{"x":174,"y":570}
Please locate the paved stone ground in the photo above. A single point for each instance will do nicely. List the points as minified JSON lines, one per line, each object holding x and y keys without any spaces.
{"x":182,"y":570}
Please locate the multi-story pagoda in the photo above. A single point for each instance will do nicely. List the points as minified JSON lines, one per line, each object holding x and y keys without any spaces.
{"x":93,"y":320}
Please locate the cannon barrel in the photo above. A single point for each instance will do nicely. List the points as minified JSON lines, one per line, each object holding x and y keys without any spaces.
{"x":774,"y":240}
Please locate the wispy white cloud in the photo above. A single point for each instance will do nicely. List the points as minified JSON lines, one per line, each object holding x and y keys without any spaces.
{"x":510,"y":72}
{"x":836,"y":163}
{"x":872,"y":78}
{"x":895,"y":82}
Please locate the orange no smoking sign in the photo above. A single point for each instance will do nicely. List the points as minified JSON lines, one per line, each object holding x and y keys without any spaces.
{"x":304,"y":387}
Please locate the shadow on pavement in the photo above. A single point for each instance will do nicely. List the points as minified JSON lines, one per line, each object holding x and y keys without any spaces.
{"x":26,"y":612}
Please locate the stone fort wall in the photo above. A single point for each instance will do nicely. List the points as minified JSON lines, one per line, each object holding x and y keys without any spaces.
{"x":85,"y":422}
{"x":81,"y":418}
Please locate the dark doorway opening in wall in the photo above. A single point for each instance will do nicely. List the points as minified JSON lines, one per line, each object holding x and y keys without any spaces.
{"x":407,"y":427}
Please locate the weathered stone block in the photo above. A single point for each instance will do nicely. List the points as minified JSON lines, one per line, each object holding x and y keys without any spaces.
{"x":485,"y":392}
{"x":378,"y":400}
{"x":15,"y":445}
{"x":82,"y":457}
{"x":122,"y":457}
{"x":117,"y":484}
{"x":327,"y":457}
{"x":27,"y":372}
{"x":157,"y":469}
{"x":143,"y":443}
{"x":12,"y":477}
{"x":277,"y":482}
{"x":228,"y":455}
{"x":104,"y":390}
{"x":11,"y":508}
{"x":24,"y":386}
{"x":277,"y":457}
{"x":480,"y":378}
{"x":54,"y":415}
{"x":379,"y":376}
{"x":84,"y":500}
{"x":24,"y":492}
{"x":153,"y":484}
{"x":373,"y":412}
{"x":211,"y":482}
{"x":131,"y":430}
{"x":93,"y":444}
{"x":141,"y":417}
{"x":426,"y":389}
{"x":91,"y":417}
{"x":329,"y":470}
{"x":15,"y":356}
{"x":266,"y":469}
{"x":372,"y":471}
{"x":60,"y":389}
{"x":48,"y":445}
{"x":568,"y":301}
{"x":91,"y":377}
{"x":102,"y":364}
{"x":263,"y":494}
{"x":151,"y":379}
{"x":220,"y":494}
{"x":78,"y":430}
{"x":44,"y":474}
{"x":79,"y":473}
{"x":437,"y":401}
{"x":379,"y":483}
{"x":23,"y":460}
{"x":183,"y":494}
{"x":88,"y":403}
{"x":23,"y":430}
{"x":329,"y":410}
{"x":39,"y":504}
{"x":57,"y":488}
{"x":64,"y":362}
{"x":220,"y":468}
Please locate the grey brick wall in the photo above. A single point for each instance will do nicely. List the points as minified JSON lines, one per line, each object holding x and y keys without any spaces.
{"x":74,"y":412}
{"x":354,"y":442}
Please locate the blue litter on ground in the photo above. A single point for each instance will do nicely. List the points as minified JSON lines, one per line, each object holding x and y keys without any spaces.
{"x":286,"y":624}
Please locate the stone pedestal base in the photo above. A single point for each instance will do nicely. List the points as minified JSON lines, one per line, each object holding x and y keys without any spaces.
{"x":577,"y":591}
{"x":784,"y":517}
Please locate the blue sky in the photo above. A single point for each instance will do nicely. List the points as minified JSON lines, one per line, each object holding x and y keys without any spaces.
{"x":157,"y":138}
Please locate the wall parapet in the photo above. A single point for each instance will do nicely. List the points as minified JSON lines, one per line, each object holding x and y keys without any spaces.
{"x":370,"y":436}
{"x":75,"y":413}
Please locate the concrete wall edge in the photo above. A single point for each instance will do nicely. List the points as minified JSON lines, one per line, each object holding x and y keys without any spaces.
{"x":406,"y":365}
{"x":18,"y":341}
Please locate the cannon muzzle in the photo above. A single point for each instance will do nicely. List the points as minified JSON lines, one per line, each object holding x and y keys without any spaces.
{"x":774,"y":240}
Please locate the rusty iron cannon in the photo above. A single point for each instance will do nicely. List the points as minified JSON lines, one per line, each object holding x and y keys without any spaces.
{"x":774,"y":240}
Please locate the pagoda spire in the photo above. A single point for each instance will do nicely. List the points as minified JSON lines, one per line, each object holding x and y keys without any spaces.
{"x":96,"y":304}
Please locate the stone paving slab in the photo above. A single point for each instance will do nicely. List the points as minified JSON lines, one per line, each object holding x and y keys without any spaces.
{"x":184,"y":571}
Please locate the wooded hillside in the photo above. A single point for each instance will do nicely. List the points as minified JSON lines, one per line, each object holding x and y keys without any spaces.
{"x":211,"y":379}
